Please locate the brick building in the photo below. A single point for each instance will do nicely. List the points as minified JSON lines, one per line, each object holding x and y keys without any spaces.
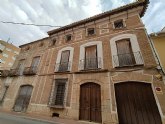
{"x":99,"y":69}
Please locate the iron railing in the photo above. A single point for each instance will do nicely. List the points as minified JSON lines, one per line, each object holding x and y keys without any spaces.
{"x":63,"y":67}
{"x":14,"y":72}
{"x":4,"y":73}
{"x":90,"y":63}
{"x":128,"y":59}
{"x":30,"y":70}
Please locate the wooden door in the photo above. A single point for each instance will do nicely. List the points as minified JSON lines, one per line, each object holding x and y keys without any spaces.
{"x":124,"y":52}
{"x":64,"y":63}
{"x":23,"y":98}
{"x":20,"y":66}
{"x":90,"y":102}
{"x":136,"y":104}
{"x":91,"y":57}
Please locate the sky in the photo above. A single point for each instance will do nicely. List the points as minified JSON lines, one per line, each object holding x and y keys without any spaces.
{"x":62,"y":12}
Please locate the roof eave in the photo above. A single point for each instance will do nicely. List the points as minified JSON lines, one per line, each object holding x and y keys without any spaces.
{"x":111,"y":12}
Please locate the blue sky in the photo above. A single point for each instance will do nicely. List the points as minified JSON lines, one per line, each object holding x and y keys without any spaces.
{"x":62,"y":12}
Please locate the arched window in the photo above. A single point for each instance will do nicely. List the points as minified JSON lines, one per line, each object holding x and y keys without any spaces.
{"x":91,"y":56}
{"x":64,"y":59}
{"x":125,"y":51}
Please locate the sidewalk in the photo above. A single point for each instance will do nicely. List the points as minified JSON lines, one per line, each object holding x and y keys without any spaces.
{"x":53,"y":120}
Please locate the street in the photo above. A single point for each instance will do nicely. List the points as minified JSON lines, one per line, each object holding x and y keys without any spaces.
{"x":11,"y":119}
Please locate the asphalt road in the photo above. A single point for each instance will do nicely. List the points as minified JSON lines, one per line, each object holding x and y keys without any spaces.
{"x":11,"y":119}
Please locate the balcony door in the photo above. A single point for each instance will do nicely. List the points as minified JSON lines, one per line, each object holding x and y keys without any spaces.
{"x":35,"y":63}
{"x":91,"y":60}
{"x":125,"y":54}
{"x":20,"y":67}
{"x":64,"y":63}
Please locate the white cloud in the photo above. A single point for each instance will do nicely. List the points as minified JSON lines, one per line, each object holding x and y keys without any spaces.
{"x":62,"y":12}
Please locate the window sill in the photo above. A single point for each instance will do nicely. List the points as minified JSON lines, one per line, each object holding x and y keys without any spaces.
{"x":120,"y":28}
{"x":135,"y":65}
{"x":98,"y":70}
{"x":56,"y":106}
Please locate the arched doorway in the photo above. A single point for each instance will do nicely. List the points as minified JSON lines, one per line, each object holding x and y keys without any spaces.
{"x":23,"y":98}
{"x":90,"y":102}
{"x":136,"y":104}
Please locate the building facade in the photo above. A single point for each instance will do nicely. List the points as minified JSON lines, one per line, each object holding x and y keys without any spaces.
{"x":100,"y":69}
{"x":158,"y":42}
{"x":8,"y":53}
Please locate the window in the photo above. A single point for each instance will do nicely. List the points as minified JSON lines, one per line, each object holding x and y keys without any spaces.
{"x":58,"y":93}
{"x":8,"y":49}
{"x":90,"y":31}
{"x":64,"y":59}
{"x":124,"y":53}
{"x":91,"y":57}
{"x":27,"y":48}
{"x":118,"y":24}
{"x":10,"y":64}
{"x":68,"y":37}
{"x":41,"y":44}
{"x":35,"y":63}
{"x":20,"y":67}
{"x":64,"y":63}
{"x":5,"y":55}
{"x":53,"y":42}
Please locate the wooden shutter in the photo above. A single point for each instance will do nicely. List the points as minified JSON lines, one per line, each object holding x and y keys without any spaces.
{"x":91,"y":57}
{"x":125,"y":54}
{"x":35,"y":63}
{"x":64,"y":63}
{"x":20,"y":67}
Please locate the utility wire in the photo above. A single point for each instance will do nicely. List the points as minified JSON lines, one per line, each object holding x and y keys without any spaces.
{"x":17,"y":23}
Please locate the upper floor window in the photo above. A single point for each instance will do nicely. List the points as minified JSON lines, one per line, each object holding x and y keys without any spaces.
{"x":35,"y":62}
{"x":53,"y":42}
{"x":41,"y":44}
{"x":91,"y":61}
{"x":64,"y":62}
{"x":68,"y":37}
{"x":90,"y":31}
{"x":91,"y":56}
{"x":125,"y":51}
{"x":20,"y":67}
{"x":64,"y":59}
{"x":118,"y":24}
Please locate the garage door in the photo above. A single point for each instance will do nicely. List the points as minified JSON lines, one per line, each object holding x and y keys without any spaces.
{"x":136,"y":104}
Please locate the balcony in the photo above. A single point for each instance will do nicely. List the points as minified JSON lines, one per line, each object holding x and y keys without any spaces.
{"x":128,"y":59}
{"x":63,"y":67}
{"x":90,"y":64}
{"x":4,"y":73}
{"x":30,"y":70}
{"x":14,"y":72}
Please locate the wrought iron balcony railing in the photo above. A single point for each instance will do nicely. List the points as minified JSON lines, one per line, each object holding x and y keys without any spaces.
{"x":128,"y":59}
{"x":4,"y":73}
{"x":14,"y":72}
{"x":63,"y":67}
{"x":90,"y":63}
{"x":30,"y":70}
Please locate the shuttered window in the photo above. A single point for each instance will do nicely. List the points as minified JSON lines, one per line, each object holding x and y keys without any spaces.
{"x":35,"y":61}
{"x":125,"y":54}
{"x":64,"y":63}
{"x":20,"y":67}
{"x":58,"y":93}
{"x":91,"y":57}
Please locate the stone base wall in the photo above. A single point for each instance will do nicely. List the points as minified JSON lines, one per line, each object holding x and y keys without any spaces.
{"x":106,"y":80}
